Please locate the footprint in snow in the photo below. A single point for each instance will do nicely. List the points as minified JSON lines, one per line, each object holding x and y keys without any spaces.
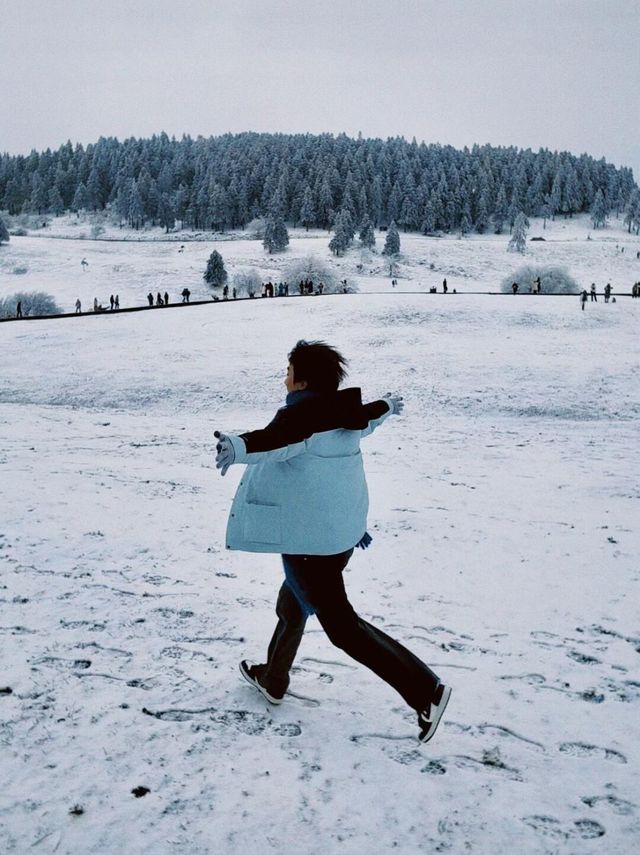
{"x":583,"y":749}
{"x":549,"y":826}
{"x":244,"y":721}
{"x":619,"y":806}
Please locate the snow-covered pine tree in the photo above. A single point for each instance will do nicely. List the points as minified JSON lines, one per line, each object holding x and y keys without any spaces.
{"x":599,"y":211}
{"x":4,"y":231}
{"x":135,"y":208}
{"x":80,"y":198}
{"x":465,"y":221}
{"x":518,"y":242}
{"x":308,"y":210}
{"x":367,"y":237}
{"x":392,"y":241}
{"x":276,"y":236}
{"x":500,"y":211}
{"x":342,"y":236}
{"x":632,"y":212}
{"x":215,"y":274}
{"x":56,"y":205}
{"x":166,"y":213}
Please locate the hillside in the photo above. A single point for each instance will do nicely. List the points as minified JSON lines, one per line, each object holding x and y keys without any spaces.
{"x":132,"y":263}
{"x":504,"y":553}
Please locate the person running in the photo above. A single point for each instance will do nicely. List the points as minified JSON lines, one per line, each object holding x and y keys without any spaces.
{"x":304,"y":496}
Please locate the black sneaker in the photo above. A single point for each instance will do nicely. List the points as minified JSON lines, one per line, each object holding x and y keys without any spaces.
{"x":429,"y":719}
{"x":250,"y":673}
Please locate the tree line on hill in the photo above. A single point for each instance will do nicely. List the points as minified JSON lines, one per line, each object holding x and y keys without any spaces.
{"x":326,"y":181}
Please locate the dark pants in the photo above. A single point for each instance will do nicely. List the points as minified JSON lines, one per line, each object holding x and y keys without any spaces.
{"x":319,"y":580}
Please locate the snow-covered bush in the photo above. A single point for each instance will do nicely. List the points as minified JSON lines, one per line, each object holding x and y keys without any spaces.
{"x":257,"y":227}
{"x":553,"y":280}
{"x":247,"y":282}
{"x":33,"y":303}
{"x":20,"y":271}
{"x":314,"y":268}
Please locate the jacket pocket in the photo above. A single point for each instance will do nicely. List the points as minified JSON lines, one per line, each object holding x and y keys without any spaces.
{"x":262,"y":523}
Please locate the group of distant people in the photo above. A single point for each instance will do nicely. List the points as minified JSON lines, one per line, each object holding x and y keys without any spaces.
{"x":535,"y":287}
{"x":160,"y":299}
{"x":593,"y":294}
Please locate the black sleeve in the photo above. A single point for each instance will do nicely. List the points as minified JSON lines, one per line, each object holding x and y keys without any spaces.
{"x":288,"y":427}
{"x":297,"y":423}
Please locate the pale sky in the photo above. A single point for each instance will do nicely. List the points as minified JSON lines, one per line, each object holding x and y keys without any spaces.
{"x":560,"y":74}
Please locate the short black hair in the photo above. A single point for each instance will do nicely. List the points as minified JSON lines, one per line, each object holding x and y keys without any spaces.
{"x":322,"y":366}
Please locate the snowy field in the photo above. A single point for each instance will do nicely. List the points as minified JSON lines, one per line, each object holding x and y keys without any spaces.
{"x":504,"y":515}
{"x":132,"y":263}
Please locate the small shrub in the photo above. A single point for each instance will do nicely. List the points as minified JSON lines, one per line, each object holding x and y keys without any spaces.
{"x":554,"y":280}
{"x":257,"y":228}
{"x":33,"y":303}
{"x":20,"y":271}
{"x":247,"y":282}
{"x":313,"y":268}
{"x":19,"y":232}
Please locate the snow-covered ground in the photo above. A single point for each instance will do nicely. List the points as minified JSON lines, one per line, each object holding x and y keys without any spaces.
{"x":504,"y":515}
{"x":131,"y":264}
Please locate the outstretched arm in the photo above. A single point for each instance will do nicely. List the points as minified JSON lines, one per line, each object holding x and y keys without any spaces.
{"x":395,"y":406}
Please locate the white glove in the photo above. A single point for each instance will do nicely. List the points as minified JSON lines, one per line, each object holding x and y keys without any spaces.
{"x":225,"y":453}
{"x":396,"y":403}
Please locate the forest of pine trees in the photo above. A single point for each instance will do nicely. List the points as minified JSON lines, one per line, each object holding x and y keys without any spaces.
{"x":224,"y":182}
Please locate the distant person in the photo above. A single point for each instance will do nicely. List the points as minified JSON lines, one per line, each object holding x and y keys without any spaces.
{"x":607,"y":292}
{"x":583,"y":298}
{"x":112,"y":302}
{"x":309,"y":457}
{"x":84,"y":264}
{"x":635,"y":290}
{"x":537,"y":285}
{"x":19,"y":309}
{"x":159,"y":300}
{"x":150,"y":298}
{"x":185,"y":295}
{"x":95,"y":304}
{"x":78,"y":307}
{"x":234,"y":293}
{"x":514,"y":287}
{"x":225,"y":292}
{"x":166,"y":298}
{"x":286,"y":289}
{"x":445,"y":287}
{"x":117,"y":302}
{"x":594,"y":298}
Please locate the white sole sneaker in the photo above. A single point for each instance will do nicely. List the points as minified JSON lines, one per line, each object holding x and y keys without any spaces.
{"x":436,"y":712}
{"x":244,"y":670}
